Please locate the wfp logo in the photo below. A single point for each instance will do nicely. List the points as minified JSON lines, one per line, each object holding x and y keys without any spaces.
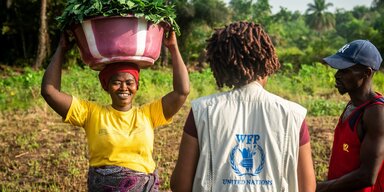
{"x":247,"y":157}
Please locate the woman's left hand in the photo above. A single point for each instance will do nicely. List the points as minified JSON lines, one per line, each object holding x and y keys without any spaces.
{"x":170,"y":40}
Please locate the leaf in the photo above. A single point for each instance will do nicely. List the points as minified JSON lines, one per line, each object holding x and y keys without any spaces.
{"x":155,"y":11}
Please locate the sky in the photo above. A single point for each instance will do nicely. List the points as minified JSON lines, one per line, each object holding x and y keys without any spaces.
{"x":302,"y":5}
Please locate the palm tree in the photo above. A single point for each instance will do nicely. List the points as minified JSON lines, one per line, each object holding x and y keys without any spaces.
{"x":318,"y":17}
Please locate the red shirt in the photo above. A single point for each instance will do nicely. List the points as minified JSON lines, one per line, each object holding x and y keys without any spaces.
{"x":346,"y":147}
{"x":190,"y":129}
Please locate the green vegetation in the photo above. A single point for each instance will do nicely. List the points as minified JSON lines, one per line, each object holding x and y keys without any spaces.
{"x":300,"y":38}
{"x":156,"y":11}
{"x":312,"y":86}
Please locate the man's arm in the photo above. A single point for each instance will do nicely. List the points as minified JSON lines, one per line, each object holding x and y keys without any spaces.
{"x":371,"y":155}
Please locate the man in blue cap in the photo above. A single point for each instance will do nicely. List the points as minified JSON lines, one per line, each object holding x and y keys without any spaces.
{"x":357,"y":160}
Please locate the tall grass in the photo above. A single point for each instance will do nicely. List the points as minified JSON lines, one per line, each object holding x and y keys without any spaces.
{"x":312,"y":86}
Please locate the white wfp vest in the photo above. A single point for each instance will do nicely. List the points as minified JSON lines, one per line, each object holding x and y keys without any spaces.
{"x":248,"y":140}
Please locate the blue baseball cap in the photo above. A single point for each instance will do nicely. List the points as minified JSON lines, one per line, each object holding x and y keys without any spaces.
{"x":360,"y":52}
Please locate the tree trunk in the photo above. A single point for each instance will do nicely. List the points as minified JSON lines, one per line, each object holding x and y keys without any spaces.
{"x":163,"y":56}
{"x":43,"y":36}
{"x":9,"y":3}
{"x":23,"y":43}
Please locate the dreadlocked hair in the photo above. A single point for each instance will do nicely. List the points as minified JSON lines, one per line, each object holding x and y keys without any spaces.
{"x":241,"y":53}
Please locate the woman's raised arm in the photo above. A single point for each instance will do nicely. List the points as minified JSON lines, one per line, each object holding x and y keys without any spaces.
{"x":173,"y":101}
{"x":51,"y":83}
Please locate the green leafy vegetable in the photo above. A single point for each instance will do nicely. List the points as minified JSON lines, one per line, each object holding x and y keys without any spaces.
{"x":156,"y":11}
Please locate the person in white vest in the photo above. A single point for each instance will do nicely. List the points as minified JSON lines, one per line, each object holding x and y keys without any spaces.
{"x":245,"y":139}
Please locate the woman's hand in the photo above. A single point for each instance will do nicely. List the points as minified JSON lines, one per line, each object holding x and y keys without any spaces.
{"x":171,"y":40}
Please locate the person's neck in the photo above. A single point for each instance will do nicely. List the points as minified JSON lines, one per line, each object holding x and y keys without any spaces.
{"x":361,"y":97}
{"x":122,"y":108}
{"x":262,"y":81}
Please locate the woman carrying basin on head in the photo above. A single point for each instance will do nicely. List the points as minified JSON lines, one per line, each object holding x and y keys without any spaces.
{"x":120,"y":136}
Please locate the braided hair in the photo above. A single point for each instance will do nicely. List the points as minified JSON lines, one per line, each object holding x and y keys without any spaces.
{"x":241,"y":53}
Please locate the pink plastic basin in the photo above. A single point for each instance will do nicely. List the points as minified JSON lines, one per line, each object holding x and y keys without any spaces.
{"x":106,"y":40}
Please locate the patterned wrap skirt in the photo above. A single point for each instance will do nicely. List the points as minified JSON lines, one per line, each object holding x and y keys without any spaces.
{"x":121,"y":179}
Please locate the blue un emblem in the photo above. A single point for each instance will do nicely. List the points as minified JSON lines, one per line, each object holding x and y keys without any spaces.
{"x":247,"y":157}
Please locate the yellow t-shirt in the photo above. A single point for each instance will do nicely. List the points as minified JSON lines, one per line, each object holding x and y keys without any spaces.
{"x":118,"y":138}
